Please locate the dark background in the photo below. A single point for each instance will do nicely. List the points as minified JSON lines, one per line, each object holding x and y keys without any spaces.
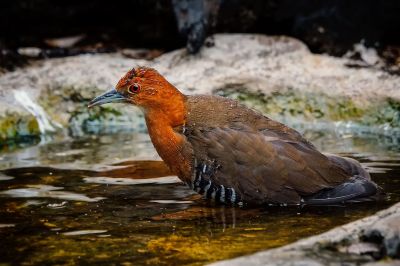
{"x":329,"y":26}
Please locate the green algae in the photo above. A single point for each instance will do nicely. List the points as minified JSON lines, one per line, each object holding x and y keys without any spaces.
{"x":74,"y":100}
{"x":83,"y":116}
{"x":17,"y":126}
{"x":67,"y":106}
{"x":316,"y":106}
{"x":386,"y":114}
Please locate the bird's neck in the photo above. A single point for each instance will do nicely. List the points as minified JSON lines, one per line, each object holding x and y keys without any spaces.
{"x":168,"y":143}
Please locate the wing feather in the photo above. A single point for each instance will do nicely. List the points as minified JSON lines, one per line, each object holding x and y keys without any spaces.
{"x":262,"y":167}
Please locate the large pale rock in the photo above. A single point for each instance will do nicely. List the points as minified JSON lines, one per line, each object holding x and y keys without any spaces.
{"x":278,"y":75}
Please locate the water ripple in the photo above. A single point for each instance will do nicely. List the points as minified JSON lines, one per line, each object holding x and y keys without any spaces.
{"x":84,"y":232}
{"x":45,"y":191}
{"x":128,"y":181}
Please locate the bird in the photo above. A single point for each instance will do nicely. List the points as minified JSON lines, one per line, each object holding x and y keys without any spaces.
{"x":234,"y":155}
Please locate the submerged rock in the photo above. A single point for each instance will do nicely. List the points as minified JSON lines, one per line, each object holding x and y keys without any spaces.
{"x":277,"y":75}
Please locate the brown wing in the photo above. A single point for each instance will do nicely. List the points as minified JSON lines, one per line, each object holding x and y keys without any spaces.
{"x":261,"y":167}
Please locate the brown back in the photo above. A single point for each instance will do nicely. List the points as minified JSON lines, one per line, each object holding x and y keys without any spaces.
{"x":263,"y":160}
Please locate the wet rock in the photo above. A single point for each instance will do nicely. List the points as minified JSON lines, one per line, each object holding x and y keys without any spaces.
{"x":61,"y":88}
{"x":373,"y":240}
{"x":17,"y":122}
{"x":33,"y":52}
{"x":277,"y":75}
{"x":65,"y":42}
{"x":386,"y":233}
{"x":141,"y":53}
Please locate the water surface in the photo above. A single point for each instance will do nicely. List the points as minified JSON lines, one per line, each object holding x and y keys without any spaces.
{"x":106,"y":199}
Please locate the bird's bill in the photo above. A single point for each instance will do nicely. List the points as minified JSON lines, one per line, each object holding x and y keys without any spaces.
{"x":111,"y":96}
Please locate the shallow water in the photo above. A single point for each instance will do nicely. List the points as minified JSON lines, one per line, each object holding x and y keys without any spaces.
{"x":70,"y":201}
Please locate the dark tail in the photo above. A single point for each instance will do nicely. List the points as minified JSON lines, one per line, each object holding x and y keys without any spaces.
{"x":350,"y":166}
{"x":358,"y":188}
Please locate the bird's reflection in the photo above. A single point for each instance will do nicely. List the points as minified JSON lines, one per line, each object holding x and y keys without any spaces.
{"x":125,"y":169}
{"x":223,"y":217}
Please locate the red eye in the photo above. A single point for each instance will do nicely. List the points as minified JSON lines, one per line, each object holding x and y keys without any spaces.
{"x":134,"y":88}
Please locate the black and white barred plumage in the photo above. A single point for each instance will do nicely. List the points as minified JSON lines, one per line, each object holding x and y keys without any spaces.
{"x":204,"y":184}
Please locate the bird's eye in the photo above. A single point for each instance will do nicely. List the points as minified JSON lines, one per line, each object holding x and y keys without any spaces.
{"x":134,"y":88}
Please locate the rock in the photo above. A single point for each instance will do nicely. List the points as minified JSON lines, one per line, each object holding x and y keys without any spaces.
{"x":368,"y":55}
{"x":345,"y":245}
{"x":386,"y":232}
{"x":61,"y":87}
{"x":141,"y":53}
{"x":33,"y":52}
{"x":65,"y":42}
{"x":277,"y":75}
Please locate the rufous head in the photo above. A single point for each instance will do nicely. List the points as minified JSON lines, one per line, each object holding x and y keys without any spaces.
{"x":141,"y":86}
